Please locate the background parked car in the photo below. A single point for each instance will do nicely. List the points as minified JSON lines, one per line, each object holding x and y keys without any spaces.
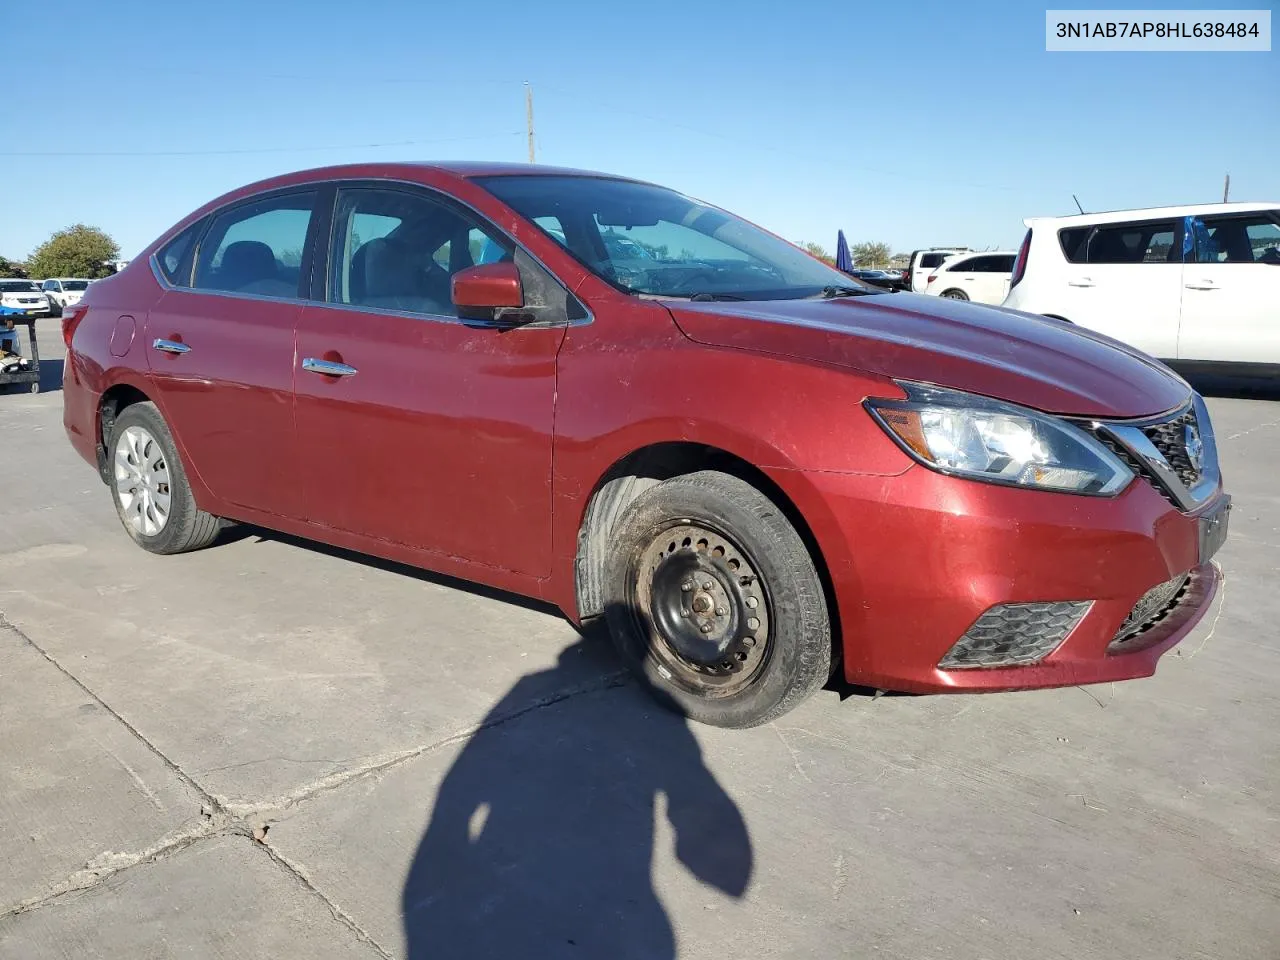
{"x":877,"y":278}
{"x":24,"y":295}
{"x":64,"y":292}
{"x":1196,"y":283}
{"x":924,"y":262}
{"x":980,"y":277}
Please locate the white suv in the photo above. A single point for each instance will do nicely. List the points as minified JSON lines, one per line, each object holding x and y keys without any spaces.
{"x":923,"y":263}
{"x":1195,"y":283}
{"x":65,"y":292}
{"x":980,"y":277}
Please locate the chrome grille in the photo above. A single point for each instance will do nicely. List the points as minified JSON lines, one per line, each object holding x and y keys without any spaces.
{"x":1157,"y":449}
{"x":1170,"y":439}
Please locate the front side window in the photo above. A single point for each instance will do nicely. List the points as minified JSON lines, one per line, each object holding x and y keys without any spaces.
{"x":651,"y":241}
{"x":398,"y":250}
{"x":1242,"y":239}
{"x":257,"y":248}
{"x":1134,"y":243}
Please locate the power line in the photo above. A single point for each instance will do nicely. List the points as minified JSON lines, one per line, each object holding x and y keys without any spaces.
{"x":250,"y":150}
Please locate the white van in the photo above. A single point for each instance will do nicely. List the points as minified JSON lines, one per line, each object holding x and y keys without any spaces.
{"x":1195,"y":283}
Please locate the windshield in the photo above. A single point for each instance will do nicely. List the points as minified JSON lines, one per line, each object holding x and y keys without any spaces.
{"x":18,"y":286}
{"x":75,"y":284}
{"x":652,"y":241}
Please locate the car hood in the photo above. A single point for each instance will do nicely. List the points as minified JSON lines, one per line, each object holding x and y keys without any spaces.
{"x":1046,"y":364}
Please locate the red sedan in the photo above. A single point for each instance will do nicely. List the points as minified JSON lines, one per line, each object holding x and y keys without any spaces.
{"x":637,"y":406}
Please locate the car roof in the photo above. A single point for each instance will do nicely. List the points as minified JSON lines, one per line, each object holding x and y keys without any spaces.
{"x":1154,"y":213}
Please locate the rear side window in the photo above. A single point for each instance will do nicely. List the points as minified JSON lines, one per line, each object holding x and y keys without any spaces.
{"x":257,"y":248}
{"x":1073,"y":243}
{"x":1243,"y":239}
{"x":1134,"y":243}
{"x":174,"y":258}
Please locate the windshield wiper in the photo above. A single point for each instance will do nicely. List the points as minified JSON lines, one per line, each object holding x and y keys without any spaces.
{"x":830,"y":293}
{"x":705,"y":297}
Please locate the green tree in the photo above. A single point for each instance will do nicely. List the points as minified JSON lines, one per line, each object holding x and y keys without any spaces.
{"x":870,"y":254}
{"x":819,"y":251}
{"x":77,"y":251}
{"x":11,"y":269}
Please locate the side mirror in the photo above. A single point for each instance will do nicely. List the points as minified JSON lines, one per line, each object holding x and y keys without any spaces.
{"x":488,"y":287}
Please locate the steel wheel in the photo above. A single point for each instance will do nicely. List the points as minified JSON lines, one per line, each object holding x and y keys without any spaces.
{"x":707,"y":610}
{"x":142,"y":481}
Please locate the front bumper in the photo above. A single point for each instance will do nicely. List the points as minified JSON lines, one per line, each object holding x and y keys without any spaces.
{"x":916,"y":560}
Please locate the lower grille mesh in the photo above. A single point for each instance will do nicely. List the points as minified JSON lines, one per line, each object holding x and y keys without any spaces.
{"x":1154,"y":605}
{"x":1015,"y":633}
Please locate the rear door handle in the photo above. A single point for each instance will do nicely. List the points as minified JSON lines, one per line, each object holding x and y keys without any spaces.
{"x":1202,"y":285}
{"x":170,"y":346}
{"x":327,"y":367}
{"x":1082,"y":282}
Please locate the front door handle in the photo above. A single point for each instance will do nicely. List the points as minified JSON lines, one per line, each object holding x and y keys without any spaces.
{"x":1202,"y":285}
{"x":170,"y":346}
{"x":327,"y":367}
{"x":1082,"y":282}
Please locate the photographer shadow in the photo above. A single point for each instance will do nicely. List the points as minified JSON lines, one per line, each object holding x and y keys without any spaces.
{"x":541,"y":840}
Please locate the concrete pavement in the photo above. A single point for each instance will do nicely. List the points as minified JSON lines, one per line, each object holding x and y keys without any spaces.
{"x":270,"y":748}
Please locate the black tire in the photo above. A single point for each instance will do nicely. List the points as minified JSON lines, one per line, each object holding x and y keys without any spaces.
{"x":779,"y":669}
{"x":954,"y":294}
{"x":186,"y":527}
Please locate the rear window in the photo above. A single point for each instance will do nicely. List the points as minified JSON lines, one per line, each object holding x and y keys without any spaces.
{"x":931,"y":260}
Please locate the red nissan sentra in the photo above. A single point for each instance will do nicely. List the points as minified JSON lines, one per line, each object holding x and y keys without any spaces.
{"x":637,"y":406}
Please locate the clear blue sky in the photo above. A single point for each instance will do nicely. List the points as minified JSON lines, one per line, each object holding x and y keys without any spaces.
{"x":916,"y":124}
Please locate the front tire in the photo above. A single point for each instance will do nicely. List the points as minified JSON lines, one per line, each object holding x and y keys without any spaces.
{"x":149,"y":486}
{"x":955,"y":295}
{"x":714,"y":601}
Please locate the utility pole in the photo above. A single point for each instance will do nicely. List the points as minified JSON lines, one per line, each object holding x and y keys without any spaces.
{"x":528,"y":116}
{"x":1226,"y":188}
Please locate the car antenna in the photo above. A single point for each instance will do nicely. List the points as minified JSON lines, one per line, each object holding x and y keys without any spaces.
{"x":1078,"y":207}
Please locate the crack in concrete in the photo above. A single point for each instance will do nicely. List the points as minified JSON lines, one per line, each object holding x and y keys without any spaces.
{"x":187,"y":780}
{"x":299,"y":875}
{"x":383,"y":762}
{"x":231,"y":818}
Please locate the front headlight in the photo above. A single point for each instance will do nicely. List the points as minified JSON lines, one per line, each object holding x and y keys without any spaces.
{"x":984,"y":439}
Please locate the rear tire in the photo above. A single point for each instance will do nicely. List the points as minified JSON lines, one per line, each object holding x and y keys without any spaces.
{"x":713,"y":601}
{"x":149,"y":485}
{"x":955,"y":294}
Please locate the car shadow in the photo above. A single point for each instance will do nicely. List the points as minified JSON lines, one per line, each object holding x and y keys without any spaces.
{"x":541,"y":839}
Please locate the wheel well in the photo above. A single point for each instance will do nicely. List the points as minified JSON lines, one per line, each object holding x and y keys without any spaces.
{"x":113,"y":403}
{"x":649,"y":466}
{"x":954,"y":290}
